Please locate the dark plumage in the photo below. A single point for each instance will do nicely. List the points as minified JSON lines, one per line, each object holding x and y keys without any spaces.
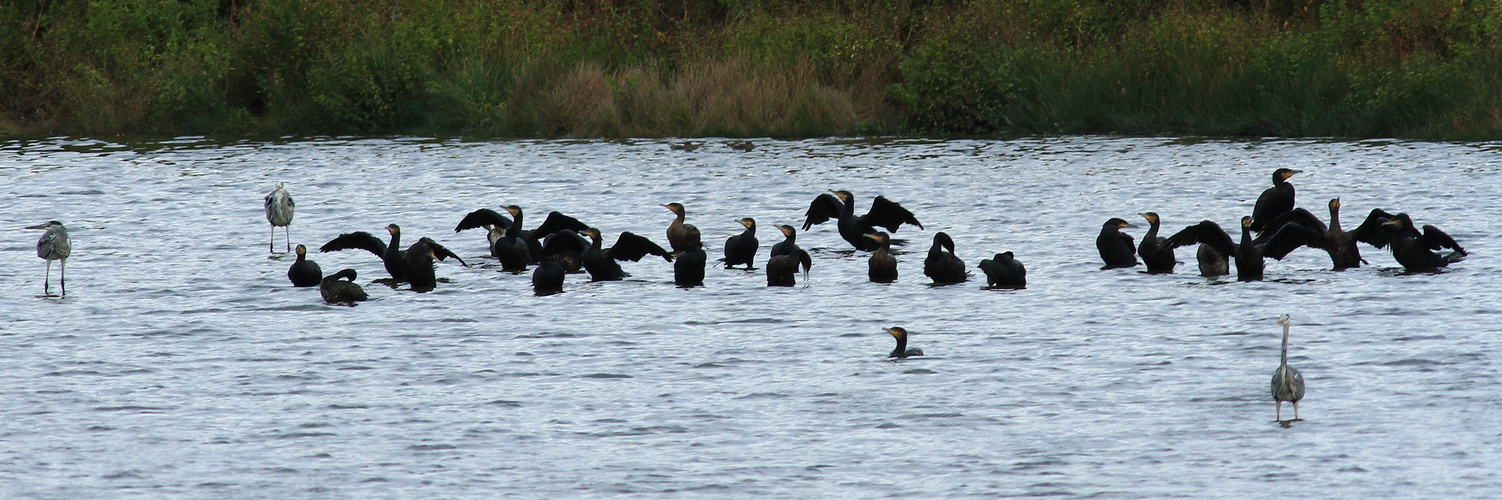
{"x":1003,"y":271}
{"x":884,"y":213}
{"x":1249,"y":254}
{"x":1158,"y":256}
{"x":567,"y":248}
{"x":602,"y":262}
{"x":882,"y":267}
{"x":1274,"y":201}
{"x":304,"y":272}
{"x":688,"y":266}
{"x":680,"y":234}
{"x":1415,"y":250}
{"x":1116,"y":247}
{"x":788,"y":243}
{"x":902,"y":350}
{"x":1341,"y":245}
{"x":336,"y":290}
{"x":419,"y":263}
{"x":741,"y":248}
{"x":782,"y":270}
{"x":511,"y":250}
{"x":942,"y":265}
{"x":547,"y":278}
{"x":489,"y":218}
{"x":390,"y":254}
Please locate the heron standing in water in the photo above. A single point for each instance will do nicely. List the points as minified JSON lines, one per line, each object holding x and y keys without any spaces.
{"x":54,"y":246}
{"x":279,"y":213}
{"x":1288,"y":383}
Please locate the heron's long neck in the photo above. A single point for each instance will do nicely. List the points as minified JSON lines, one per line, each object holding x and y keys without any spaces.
{"x":1283,"y":361}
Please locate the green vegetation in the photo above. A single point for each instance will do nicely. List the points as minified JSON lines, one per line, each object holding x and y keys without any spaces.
{"x":613,"y":68}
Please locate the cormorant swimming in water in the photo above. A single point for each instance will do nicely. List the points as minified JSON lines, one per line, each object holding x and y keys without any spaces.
{"x":390,"y":254}
{"x":941,"y":264}
{"x":555,"y":222}
{"x":335,"y":290}
{"x":1157,"y":255}
{"x":1003,"y":271}
{"x":304,"y":272}
{"x":1116,"y":247}
{"x":279,"y":208}
{"x":547,"y":278}
{"x":882,"y":267}
{"x":1275,"y":201}
{"x":884,"y":213}
{"x":1288,"y":383}
{"x":741,"y":248}
{"x":1415,"y":250}
{"x":789,"y":242}
{"x":1341,"y":245}
{"x":782,"y":270}
{"x":680,"y":234}
{"x":688,"y":268}
{"x":419,"y":260}
{"x":902,"y":350}
{"x":1249,"y":254}
{"x":601,"y":263}
{"x":511,"y":250}
{"x":55,"y":245}
{"x":567,"y":248}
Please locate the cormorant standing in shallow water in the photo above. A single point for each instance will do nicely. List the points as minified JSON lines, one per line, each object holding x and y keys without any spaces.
{"x":547,"y":278}
{"x":1155,"y":253}
{"x":741,"y":248}
{"x":882,"y":267}
{"x":1249,"y":254}
{"x":567,"y":248}
{"x":1003,"y":271}
{"x":390,"y":254}
{"x":1341,"y":245}
{"x":279,"y":208}
{"x":782,"y":270}
{"x":688,"y":268}
{"x":304,"y":272}
{"x":510,"y":249}
{"x":883,"y":213}
{"x":419,"y":260}
{"x":1275,"y":201}
{"x":789,"y":242}
{"x":680,"y":234}
{"x":335,"y":290}
{"x":941,"y":264}
{"x":601,"y":263}
{"x":1116,"y":247}
{"x":1415,"y":250}
{"x":55,"y":245}
{"x":555,"y":222}
{"x":902,"y":350}
{"x":1288,"y":383}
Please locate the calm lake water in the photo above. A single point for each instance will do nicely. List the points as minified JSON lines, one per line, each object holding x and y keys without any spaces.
{"x":182,"y":364}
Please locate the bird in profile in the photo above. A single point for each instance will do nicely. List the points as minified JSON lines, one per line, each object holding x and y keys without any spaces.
{"x":788,"y":243}
{"x":547,"y":278}
{"x":782,"y":270}
{"x":1004,"y":271}
{"x":419,"y":263}
{"x":1341,"y":245}
{"x":54,"y":245}
{"x":942,"y":265}
{"x":602,"y":263}
{"x":688,"y":268}
{"x":1157,"y":255}
{"x":1274,"y":201}
{"x":1116,"y":247}
{"x":741,"y":248}
{"x":510,"y":249}
{"x":1288,"y":383}
{"x":1249,"y":254}
{"x":390,"y":254}
{"x":680,"y":234}
{"x":533,"y":238}
{"x":279,"y":213}
{"x":902,"y":350}
{"x":841,"y":206}
{"x":341,"y":287}
{"x":304,"y":272}
{"x":882,"y":266}
{"x":1415,"y":250}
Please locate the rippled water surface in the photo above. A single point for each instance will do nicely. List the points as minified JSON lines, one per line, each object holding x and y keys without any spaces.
{"x":183,"y":364}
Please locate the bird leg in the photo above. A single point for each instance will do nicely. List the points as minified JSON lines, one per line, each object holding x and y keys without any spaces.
{"x":288,"y":228}
{"x":47,"y":279}
{"x":1279,"y":410}
{"x":271,"y":247}
{"x":62,"y":275}
{"x":1295,"y":410}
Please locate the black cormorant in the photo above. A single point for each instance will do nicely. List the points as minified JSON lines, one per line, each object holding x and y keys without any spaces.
{"x":688,"y":266}
{"x":601,"y":263}
{"x":335,"y":290}
{"x":555,"y":222}
{"x":884,"y":213}
{"x":902,"y":350}
{"x":782,"y":270}
{"x":1341,"y":245}
{"x":1275,"y":201}
{"x":1249,"y":254}
{"x":511,"y":250}
{"x":941,"y":264}
{"x":1158,"y":256}
{"x":1415,"y":250}
{"x":547,"y":278}
{"x":1003,"y":271}
{"x":882,"y":267}
{"x":1116,"y":248}
{"x":788,"y":243}
{"x":567,"y":248}
{"x":390,"y":254}
{"x":304,"y":272}
{"x":419,"y":262}
{"x":741,"y":248}
{"x":680,"y":234}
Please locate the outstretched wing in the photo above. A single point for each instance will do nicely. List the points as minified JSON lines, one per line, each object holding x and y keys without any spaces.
{"x":441,"y":252}
{"x":1436,"y":239}
{"x":823,"y":208}
{"x":564,"y":241}
{"x":888,"y":214}
{"x":556,"y":222}
{"x":1289,"y":237}
{"x":1297,"y":216}
{"x":1206,"y":232}
{"x":481,"y":217}
{"x":359,"y":239}
{"x":1370,"y":230}
{"x":632,"y":247}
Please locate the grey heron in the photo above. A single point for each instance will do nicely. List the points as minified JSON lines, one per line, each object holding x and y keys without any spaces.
{"x":279,"y":207}
{"x":54,"y":245}
{"x":335,"y":290}
{"x":902,"y":350}
{"x":1288,"y":383}
{"x":304,"y":272}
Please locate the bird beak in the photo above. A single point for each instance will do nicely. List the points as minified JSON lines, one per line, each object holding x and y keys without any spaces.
{"x":872,"y":236}
{"x":1394,"y":222}
{"x":1128,"y":224}
{"x":40,"y":226}
{"x":889,"y":330}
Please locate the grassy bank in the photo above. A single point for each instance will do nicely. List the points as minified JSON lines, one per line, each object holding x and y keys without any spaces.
{"x":1405,"y":68}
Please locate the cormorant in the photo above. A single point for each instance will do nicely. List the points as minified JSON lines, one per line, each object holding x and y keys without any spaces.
{"x":941,"y":264}
{"x":1288,"y":383}
{"x":1275,"y":201}
{"x":788,"y":243}
{"x":1249,"y":254}
{"x":567,"y":248}
{"x":741,"y":248}
{"x":680,"y":234}
{"x":555,"y":222}
{"x":902,"y":350}
{"x":419,"y":263}
{"x":547,"y":278}
{"x":1341,"y":245}
{"x":1158,"y":256}
{"x":883,"y":213}
{"x":390,"y":254}
{"x":602,"y":265}
{"x":335,"y":290}
{"x":304,"y":272}
{"x":782,"y":270}
{"x":1415,"y":250}
{"x":882,"y":267}
{"x":54,"y":245}
{"x":688,"y":268}
{"x":1116,"y":247}
{"x":279,"y":213}
{"x":1003,"y":271}
{"x":511,"y":250}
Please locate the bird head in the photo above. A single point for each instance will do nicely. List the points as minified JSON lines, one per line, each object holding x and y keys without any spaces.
{"x":748,"y":222}
{"x":896,"y":331}
{"x":1152,"y":217}
{"x":1283,"y":320}
{"x":1335,"y":203}
{"x":787,"y":230}
{"x":1246,"y":221}
{"x":675,"y":207}
{"x":393,"y":229}
{"x":513,"y":210}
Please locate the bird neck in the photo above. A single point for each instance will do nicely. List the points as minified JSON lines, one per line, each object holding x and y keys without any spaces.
{"x":516,"y":223}
{"x":396,"y":241}
{"x":901,"y":350}
{"x":1152,"y":231}
{"x":1334,"y":219}
{"x":1283,"y":360}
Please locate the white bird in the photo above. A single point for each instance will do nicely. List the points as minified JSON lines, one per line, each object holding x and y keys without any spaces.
{"x":279,"y":213}
{"x":1288,"y":383}
{"x":54,"y":246}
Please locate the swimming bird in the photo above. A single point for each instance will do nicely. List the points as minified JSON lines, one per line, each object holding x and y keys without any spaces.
{"x":1158,"y":256}
{"x":304,"y":272}
{"x":882,"y":267}
{"x":782,"y":270}
{"x":884,"y":213}
{"x":336,"y":290}
{"x":902,"y":350}
{"x":1341,"y":245}
{"x":390,"y":254}
{"x":1415,"y":250}
{"x":942,"y":265}
{"x":567,"y":248}
{"x":680,"y":234}
{"x":688,"y":268}
{"x":1274,"y":201}
{"x":54,"y":245}
{"x":556,"y":221}
{"x":788,"y":243}
{"x":511,"y":250}
{"x":602,"y":263}
{"x":547,"y":278}
{"x":1004,"y":271}
{"x":279,"y":213}
{"x":1288,"y":383}
{"x":419,"y":263}
{"x":741,"y":248}
{"x":1249,"y":254}
{"x":1116,"y":247}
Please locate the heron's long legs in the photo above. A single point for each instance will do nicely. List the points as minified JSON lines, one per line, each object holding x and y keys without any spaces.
{"x":47,"y":279}
{"x":62,"y":275}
